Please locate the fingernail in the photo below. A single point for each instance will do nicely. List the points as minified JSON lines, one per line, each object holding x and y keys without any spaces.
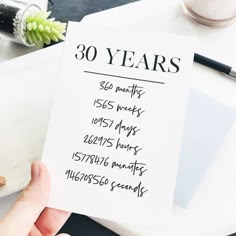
{"x":35,"y":169}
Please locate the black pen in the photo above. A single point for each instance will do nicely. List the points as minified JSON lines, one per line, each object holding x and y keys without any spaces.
{"x":227,"y":70}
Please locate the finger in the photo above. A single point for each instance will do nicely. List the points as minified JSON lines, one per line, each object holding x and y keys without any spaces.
{"x":51,"y":220}
{"x":30,"y":203}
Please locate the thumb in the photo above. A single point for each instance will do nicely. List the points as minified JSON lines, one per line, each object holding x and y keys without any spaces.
{"x":30,"y":203}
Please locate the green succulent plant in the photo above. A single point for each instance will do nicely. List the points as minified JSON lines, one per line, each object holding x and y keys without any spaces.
{"x":40,"y":30}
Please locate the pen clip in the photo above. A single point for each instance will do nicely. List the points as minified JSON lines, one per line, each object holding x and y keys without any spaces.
{"x":229,"y":76}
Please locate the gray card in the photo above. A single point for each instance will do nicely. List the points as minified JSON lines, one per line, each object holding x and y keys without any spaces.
{"x":206,"y":126}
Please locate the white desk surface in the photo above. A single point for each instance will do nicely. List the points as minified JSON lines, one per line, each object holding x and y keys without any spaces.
{"x":212,"y":211}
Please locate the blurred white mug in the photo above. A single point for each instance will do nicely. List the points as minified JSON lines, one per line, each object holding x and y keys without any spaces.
{"x":211,"y":12}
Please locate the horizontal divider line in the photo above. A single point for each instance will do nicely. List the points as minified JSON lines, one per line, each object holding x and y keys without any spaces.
{"x":123,"y":77}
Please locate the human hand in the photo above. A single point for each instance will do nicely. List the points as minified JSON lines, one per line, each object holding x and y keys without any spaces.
{"x":28,"y":216}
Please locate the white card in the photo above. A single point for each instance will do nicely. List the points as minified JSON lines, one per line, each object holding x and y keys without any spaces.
{"x":115,"y":131}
